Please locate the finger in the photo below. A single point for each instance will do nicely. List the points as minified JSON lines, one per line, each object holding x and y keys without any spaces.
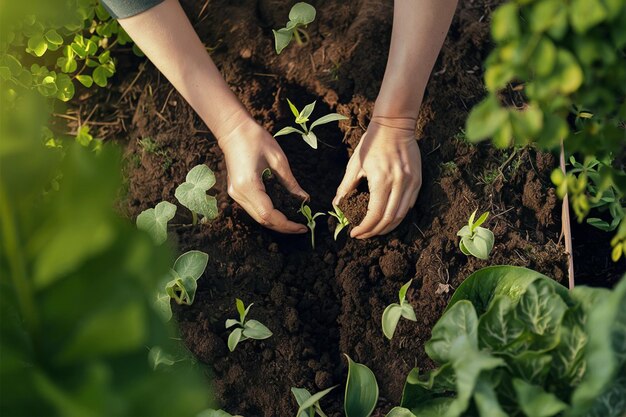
{"x":349,"y":182}
{"x":285,"y":176}
{"x":407,"y":203}
{"x":393,"y":205}
{"x":379,"y":195}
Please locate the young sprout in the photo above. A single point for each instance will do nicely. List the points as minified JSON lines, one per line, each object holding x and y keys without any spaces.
{"x":310,"y":219}
{"x":310,"y":404}
{"x":393,"y":312}
{"x":248,"y":329}
{"x":300,"y":15}
{"x":181,"y":284}
{"x":476,"y":240}
{"x":154,"y":220}
{"x":192,"y":193}
{"x":302,"y":117}
{"x":341,"y":219}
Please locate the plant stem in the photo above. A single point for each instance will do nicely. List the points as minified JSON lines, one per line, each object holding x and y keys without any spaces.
{"x":299,"y":41}
{"x":194,"y":218}
{"x":312,"y":237}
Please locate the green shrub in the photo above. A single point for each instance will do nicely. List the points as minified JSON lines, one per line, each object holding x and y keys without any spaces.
{"x":569,"y":58}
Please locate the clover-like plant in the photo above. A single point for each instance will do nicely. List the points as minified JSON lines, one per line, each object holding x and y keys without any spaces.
{"x":302,"y":117}
{"x":181,"y":283}
{"x":342,"y":221}
{"x":154,"y":220}
{"x":192,"y":193}
{"x":300,"y":15}
{"x":475,"y":240}
{"x":310,"y":220}
{"x":247,"y":329}
{"x":309,"y":404}
{"x":393,"y":312}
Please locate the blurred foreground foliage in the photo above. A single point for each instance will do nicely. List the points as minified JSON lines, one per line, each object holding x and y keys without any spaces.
{"x":80,"y":335}
{"x":567,"y":59}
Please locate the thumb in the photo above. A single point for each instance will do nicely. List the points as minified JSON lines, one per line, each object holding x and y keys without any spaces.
{"x":286,"y":178}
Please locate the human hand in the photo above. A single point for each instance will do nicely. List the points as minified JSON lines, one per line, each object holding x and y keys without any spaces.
{"x":248,"y":151}
{"x":388,"y":155}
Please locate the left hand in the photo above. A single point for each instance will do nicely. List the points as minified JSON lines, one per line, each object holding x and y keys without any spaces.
{"x":389,"y":157}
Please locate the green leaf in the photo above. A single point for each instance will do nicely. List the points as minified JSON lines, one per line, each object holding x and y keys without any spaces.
{"x":241,"y":309}
{"x":100,"y":76}
{"x":568,"y":72}
{"x":531,"y":366}
{"x":437,"y":407}
{"x":419,"y":388}
{"x":163,"y":305}
{"x":310,"y":139}
{"x":287,"y":130}
{"x":301,"y":396}
{"x":85,"y":80}
{"x":192,"y":193}
{"x":543,"y":58}
{"x":253,"y":329}
{"x":505,"y":22}
{"x":546,"y":14}
{"x":154,"y":221}
{"x":303,"y":117}
{"x":485,"y":119}
{"x":157,"y":357}
{"x":332,"y":117}
{"x":540,"y":308}
{"x":408,"y":312}
{"x":458,"y":321}
{"x":53,"y":37}
{"x":307,"y":403}
{"x":234,"y":338}
{"x":487,"y":400}
{"x":400,"y":412}
{"x":499,"y":327}
{"x":480,"y":244}
{"x":282,"y":37}
{"x":535,"y":401}
{"x":391,"y":317}
{"x":37,"y":45}
{"x":361,"y":390}
{"x":65,"y":87}
{"x":191,"y":264}
{"x":302,"y":13}
{"x":182,"y":289}
{"x":293,"y":109}
{"x":480,"y":220}
{"x":230,"y":323}
{"x":584,"y":14}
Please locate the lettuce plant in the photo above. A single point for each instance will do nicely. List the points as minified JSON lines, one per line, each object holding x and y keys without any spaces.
{"x":302,"y":117}
{"x":181,"y":284}
{"x":393,"y":312}
{"x":300,"y":15}
{"x":310,"y":220}
{"x":247,"y":329}
{"x":361,"y":394}
{"x":309,"y":405}
{"x":342,"y":221}
{"x":192,"y":193}
{"x":475,"y":240}
{"x":514,"y":342}
{"x":154,"y":220}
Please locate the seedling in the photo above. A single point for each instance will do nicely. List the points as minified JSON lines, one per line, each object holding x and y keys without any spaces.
{"x":181,"y":283}
{"x":475,"y":240}
{"x":192,"y":193}
{"x":342,"y":220}
{"x":310,"y":404}
{"x":310,"y":220}
{"x":361,"y":393}
{"x":248,"y":329}
{"x":154,"y":220}
{"x":300,"y":15}
{"x":302,"y":117}
{"x":393,"y":312}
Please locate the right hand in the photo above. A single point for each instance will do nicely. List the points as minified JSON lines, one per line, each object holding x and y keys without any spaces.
{"x":249,"y":150}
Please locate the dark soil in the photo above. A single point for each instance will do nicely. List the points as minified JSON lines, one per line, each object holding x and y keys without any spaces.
{"x":325,"y":302}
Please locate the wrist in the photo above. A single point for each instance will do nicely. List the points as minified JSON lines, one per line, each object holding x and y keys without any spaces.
{"x":404,"y":123}
{"x":238,"y":123}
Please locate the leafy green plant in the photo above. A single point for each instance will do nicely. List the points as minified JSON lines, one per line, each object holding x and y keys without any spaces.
{"x":393,"y":312}
{"x":154,"y":220}
{"x":514,"y":342}
{"x":342,"y":221}
{"x":310,"y":220}
{"x":300,"y":15}
{"x":181,"y":283}
{"x":309,"y":405}
{"x":302,"y":117}
{"x":568,"y":61}
{"x":247,"y":329}
{"x":361,"y":394}
{"x":193,"y":193}
{"x":476,"y":240}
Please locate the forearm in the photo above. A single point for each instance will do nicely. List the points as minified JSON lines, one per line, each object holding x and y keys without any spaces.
{"x":419,"y":29}
{"x":166,"y":36}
